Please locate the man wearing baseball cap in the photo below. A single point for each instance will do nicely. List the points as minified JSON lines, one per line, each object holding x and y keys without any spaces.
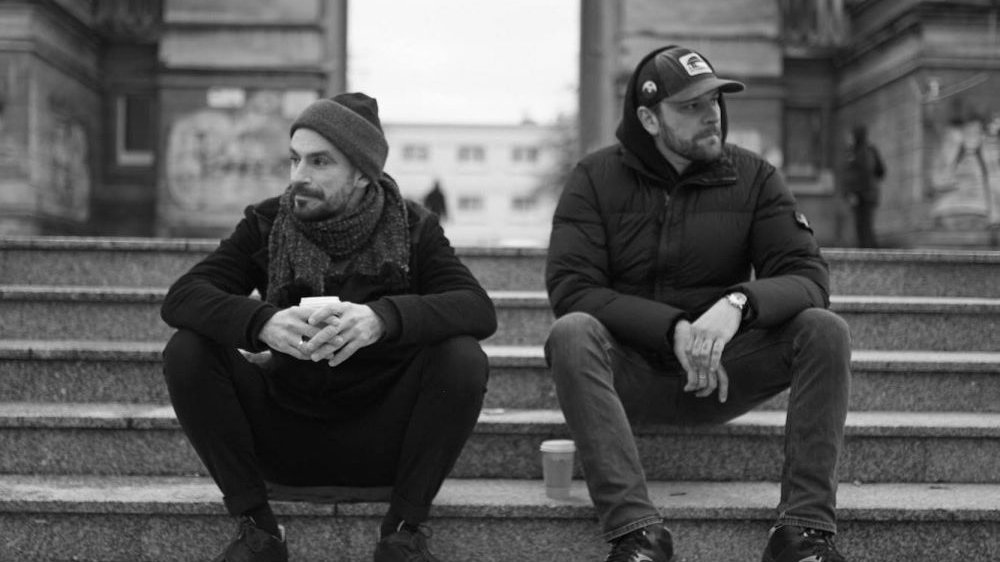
{"x":689,"y":289}
{"x":371,"y":395}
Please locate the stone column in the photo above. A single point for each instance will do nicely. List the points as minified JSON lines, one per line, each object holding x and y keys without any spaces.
{"x":599,"y":30}
{"x":336,"y":45}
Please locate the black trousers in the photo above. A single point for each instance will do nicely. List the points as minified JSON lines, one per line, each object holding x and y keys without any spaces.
{"x":410,"y":440}
{"x":864,"y":224}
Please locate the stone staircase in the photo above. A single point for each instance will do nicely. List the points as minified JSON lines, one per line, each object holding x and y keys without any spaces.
{"x":93,"y":465}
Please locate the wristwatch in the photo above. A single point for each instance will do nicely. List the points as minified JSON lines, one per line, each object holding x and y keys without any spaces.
{"x":739,"y":302}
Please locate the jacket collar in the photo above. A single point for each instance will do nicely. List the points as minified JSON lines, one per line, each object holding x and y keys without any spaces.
{"x":719,"y":173}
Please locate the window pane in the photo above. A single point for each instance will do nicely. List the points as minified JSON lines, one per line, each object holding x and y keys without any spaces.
{"x":803,"y":141}
{"x":139,"y":123}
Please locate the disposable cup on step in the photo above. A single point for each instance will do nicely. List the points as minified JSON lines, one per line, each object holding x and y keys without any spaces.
{"x":557,"y":467}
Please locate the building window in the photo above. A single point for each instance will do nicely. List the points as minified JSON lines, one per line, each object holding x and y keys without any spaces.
{"x":803,"y":142}
{"x":470,"y":203}
{"x":471,"y":153}
{"x":523,"y":203}
{"x":135,"y":137}
{"x":528,"y":154}
{"x":415,"y":152}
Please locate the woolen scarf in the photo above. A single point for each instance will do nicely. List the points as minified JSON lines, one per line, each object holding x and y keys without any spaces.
{"x":371,"y":240}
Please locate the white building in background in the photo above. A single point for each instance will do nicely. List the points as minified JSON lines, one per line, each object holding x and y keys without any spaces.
{"x":492,"y":177}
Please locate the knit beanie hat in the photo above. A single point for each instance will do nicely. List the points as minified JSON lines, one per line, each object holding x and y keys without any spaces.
{"x":349,"y":121}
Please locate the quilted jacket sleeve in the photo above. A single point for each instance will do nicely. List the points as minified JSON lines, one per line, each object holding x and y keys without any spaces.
{"x":791,"y":274}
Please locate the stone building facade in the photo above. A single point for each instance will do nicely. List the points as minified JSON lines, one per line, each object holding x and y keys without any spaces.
{"x":923,"y":76}
{"x":162,"y":117}
{"x":154,"y":117}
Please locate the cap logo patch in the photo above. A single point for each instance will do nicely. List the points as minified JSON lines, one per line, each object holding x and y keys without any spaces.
{"x":694,"y":64}
{"x":649,"y":87}
{"x":802,"y":220}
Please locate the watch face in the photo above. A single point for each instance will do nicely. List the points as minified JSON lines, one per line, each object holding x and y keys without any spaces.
{"x":738,"y":299}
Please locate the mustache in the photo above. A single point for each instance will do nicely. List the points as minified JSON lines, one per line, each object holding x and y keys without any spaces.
{"x":709,"y":132}
{"x":305,"y":190}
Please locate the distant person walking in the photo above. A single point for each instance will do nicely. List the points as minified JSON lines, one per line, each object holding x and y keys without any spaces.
{"x":863,"y":172}
{"x":435,"y":201}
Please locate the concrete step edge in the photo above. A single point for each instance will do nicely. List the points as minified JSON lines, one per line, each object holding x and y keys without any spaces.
{"x":501,"y":356}
{"x":97,"y":243}
{"x":504,"y":298}
{"x":104,"y":415}
{"x":504,"y":498}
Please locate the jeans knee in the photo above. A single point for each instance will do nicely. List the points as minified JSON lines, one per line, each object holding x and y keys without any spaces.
{"x":825,"y":329}
{"x":573,"y":330}
{"x":460,"y":365}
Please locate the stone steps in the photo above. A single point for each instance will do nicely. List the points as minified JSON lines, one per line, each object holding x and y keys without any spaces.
{"x":152,"y":262}
{"x":130,"y":372}
{"x":166,"y":519}
{"x":94,"y":467}
{"x":524,"y":317}
{"x":141,"y":439}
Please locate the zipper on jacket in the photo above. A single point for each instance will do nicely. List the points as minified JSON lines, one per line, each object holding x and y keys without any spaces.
{"x":661,"y":248}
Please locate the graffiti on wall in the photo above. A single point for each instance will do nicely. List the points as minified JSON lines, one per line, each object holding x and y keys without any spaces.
{"x":219,"y":159}
{"x":64,"y":170}
{"x":13,"y":148}
{"x":964,"y":177}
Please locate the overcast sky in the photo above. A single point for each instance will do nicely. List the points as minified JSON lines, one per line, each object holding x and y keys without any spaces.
{"x":465,"y":61}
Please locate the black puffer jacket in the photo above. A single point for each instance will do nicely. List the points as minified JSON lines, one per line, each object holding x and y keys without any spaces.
{"x":639,"y":247}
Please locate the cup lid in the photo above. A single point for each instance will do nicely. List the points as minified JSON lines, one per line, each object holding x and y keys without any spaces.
{"x":318,"y":301}
{"x":558,"y":446}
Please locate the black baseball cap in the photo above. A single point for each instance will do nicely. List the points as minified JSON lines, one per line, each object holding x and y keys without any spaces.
{"x":678,"y":74}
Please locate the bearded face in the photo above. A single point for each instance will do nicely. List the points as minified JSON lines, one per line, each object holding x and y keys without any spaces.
{"x":692,"y":129}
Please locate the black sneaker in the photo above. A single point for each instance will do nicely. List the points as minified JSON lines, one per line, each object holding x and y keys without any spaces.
{"x":789,"y":543}
{"x":253,"y":545}
{"x":649,"y":544}
{"x":405,"y":545}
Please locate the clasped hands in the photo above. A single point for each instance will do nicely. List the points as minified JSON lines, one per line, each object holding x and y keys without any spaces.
{"x":698,"y":347}
{"x":332,"y":332}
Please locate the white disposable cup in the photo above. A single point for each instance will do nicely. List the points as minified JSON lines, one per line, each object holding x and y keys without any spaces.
{"x":316,"y":302}
{"x":557,"y":467}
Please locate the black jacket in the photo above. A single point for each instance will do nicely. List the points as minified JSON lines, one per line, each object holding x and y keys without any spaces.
{"x":444,"y":300}
{"x":640,"y":247}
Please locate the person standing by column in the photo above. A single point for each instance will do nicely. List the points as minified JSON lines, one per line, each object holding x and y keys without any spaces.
{"x":863,"y":174}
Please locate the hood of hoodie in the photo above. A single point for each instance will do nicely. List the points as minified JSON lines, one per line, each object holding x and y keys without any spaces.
{"x":639,"y":145}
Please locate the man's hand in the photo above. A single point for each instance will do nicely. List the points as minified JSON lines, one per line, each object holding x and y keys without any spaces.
{"x":285,"y":331}
{"x":698,"y":346}
{"x":343,"y":328}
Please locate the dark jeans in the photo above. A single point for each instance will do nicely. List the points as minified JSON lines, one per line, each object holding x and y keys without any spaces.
{"x":604,"y":386}
{"x":409,"y":441}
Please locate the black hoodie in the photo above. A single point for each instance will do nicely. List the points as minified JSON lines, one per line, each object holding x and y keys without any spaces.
{"x":639,"y":246}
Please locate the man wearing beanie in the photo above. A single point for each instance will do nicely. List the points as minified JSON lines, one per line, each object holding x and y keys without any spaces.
{"x":374,"y":391}
{"x":689,"y":289}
